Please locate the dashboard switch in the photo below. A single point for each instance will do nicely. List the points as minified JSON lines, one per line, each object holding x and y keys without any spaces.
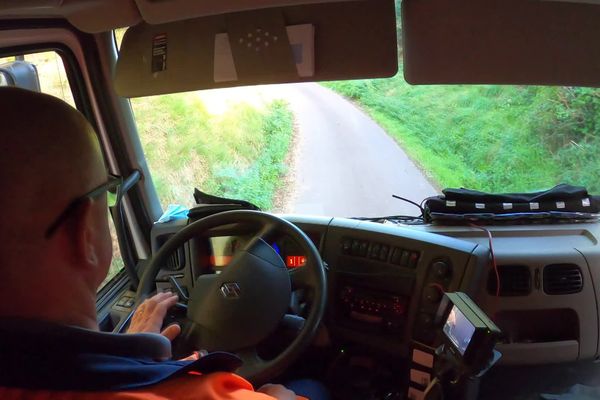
{"x":364,"y":249}
{"x":404,"y":258}
{"x":396,"y":254}
{"x":346,"y":246}
{"x":375,"y":248}
{"x":425,"y":320}
{"x":355,"y":247}
{"x":432,"y":294}
{"x":413,"y":258}
{"x":383,"y":252}
{"x":441,"y":269}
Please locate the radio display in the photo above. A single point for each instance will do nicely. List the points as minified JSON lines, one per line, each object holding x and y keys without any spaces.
{"x":459,"y":329}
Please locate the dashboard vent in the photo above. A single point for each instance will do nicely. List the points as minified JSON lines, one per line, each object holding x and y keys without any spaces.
{"x":562,"y":279}
{"x":176,"y":261}
{"x":515,"y":280}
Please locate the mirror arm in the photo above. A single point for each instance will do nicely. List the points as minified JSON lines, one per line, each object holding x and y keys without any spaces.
{"x":121,"y":228}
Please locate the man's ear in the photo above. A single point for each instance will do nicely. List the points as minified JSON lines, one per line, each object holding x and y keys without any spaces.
{"x":83,"y":231}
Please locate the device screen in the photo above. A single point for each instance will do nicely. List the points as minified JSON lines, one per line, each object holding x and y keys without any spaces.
{"x":459,"y":329}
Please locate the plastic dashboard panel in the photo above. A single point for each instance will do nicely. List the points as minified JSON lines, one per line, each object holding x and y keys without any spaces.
{"x":382,"y":298}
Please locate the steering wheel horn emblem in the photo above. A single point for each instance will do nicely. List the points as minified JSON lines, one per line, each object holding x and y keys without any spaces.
{"x":231,"y":290}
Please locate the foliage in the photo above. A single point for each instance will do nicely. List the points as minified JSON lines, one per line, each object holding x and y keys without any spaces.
{"x":237,"y":154}
{"x":493,"y":138}
{"x":257,"y":181}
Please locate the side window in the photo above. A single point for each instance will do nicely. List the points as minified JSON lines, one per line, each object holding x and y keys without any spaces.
{"x":51,"y":77}
{"x":45,"y":72}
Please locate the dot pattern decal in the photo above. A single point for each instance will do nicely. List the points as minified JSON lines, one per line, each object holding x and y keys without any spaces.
{"x":258,"y":39}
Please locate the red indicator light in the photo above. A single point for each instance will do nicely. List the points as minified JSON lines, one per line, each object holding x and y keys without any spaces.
{"x":295,"y":261}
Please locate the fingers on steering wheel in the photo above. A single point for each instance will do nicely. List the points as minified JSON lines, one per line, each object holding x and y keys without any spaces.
{"x":155,"y":306}
{"x":166,"y":302}
{"x":171,"y":331}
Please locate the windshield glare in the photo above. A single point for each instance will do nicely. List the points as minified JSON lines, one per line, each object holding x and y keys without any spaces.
{"x":344,"y":148}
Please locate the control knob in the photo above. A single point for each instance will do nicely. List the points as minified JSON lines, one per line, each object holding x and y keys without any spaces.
{"x":432,"y":294}
{"x":441,"y":269}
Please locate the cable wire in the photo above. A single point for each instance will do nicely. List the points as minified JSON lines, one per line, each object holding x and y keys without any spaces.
{"x":494,"y":264}
{"x":410,"y":202}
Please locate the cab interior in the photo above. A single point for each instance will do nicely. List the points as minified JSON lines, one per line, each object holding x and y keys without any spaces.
{"x":366,"y":293}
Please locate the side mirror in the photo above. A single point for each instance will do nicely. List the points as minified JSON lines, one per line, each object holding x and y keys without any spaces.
{"x":21,"y":74}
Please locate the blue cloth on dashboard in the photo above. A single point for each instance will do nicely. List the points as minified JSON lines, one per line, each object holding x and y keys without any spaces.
{"x":173,"y":212}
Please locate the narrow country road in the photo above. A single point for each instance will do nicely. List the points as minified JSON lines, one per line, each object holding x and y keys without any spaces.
{"x":346,"y":165}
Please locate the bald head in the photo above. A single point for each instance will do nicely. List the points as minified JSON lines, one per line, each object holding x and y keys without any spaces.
{"x":50,"y":155}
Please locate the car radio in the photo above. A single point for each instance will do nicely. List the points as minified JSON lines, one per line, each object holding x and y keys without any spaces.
{"x":372,"y":309}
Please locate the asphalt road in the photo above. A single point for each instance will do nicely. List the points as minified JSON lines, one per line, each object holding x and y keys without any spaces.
{"x":345,"y":164}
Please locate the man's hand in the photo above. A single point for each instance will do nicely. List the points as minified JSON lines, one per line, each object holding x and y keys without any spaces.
{"x":280,"y":392}
{"x":150,"y":315}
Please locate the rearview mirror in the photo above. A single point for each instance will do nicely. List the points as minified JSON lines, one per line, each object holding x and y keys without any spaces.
{"x":21,"y":74}
{"x":312,"y":42}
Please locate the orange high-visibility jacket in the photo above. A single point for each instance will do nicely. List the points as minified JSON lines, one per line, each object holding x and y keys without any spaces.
{"x":45,"y":361}
{"x":215,"y":386}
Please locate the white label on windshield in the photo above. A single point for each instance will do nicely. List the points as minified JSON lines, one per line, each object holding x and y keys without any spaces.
{"x":585,"y":202}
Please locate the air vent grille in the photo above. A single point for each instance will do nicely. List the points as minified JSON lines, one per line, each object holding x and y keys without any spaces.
{"x":562,"y":279}
{"x":176,"y":261}
{"x":515,"y":280}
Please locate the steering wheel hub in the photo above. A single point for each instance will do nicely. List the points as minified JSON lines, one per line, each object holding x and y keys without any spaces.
{"x":244,"y":304}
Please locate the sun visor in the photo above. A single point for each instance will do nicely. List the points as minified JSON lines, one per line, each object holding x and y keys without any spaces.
{"x":314,"y":42}
{"x":501,"y":42}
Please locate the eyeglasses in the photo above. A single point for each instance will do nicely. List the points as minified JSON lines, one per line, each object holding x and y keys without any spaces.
{"x":111,"y":186}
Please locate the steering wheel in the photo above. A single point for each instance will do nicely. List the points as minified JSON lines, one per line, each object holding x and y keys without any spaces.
{"x":238,"y":308}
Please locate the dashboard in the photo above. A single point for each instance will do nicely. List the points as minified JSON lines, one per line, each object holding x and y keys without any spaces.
{"x":223,"y":249}
{"x":385,"y":281}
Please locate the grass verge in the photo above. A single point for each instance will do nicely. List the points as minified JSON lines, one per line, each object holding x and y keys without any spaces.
{"x":491,"y":138}
{"x":236,"y":154}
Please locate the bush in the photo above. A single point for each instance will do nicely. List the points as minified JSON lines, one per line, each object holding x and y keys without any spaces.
{"x":237,"y":154}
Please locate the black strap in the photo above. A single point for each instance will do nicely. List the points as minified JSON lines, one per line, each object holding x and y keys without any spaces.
{"x":205,"y":198}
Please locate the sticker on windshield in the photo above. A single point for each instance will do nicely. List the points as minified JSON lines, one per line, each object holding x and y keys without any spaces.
{"x":585,"y":202}
{"x":159,"y":53}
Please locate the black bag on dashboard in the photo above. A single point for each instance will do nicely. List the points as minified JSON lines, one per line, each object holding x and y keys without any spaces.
{"x":209,"y":204}
{"x":562,"y":201}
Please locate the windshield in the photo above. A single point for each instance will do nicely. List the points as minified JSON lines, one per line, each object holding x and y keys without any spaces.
{"x":344,"y":148}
